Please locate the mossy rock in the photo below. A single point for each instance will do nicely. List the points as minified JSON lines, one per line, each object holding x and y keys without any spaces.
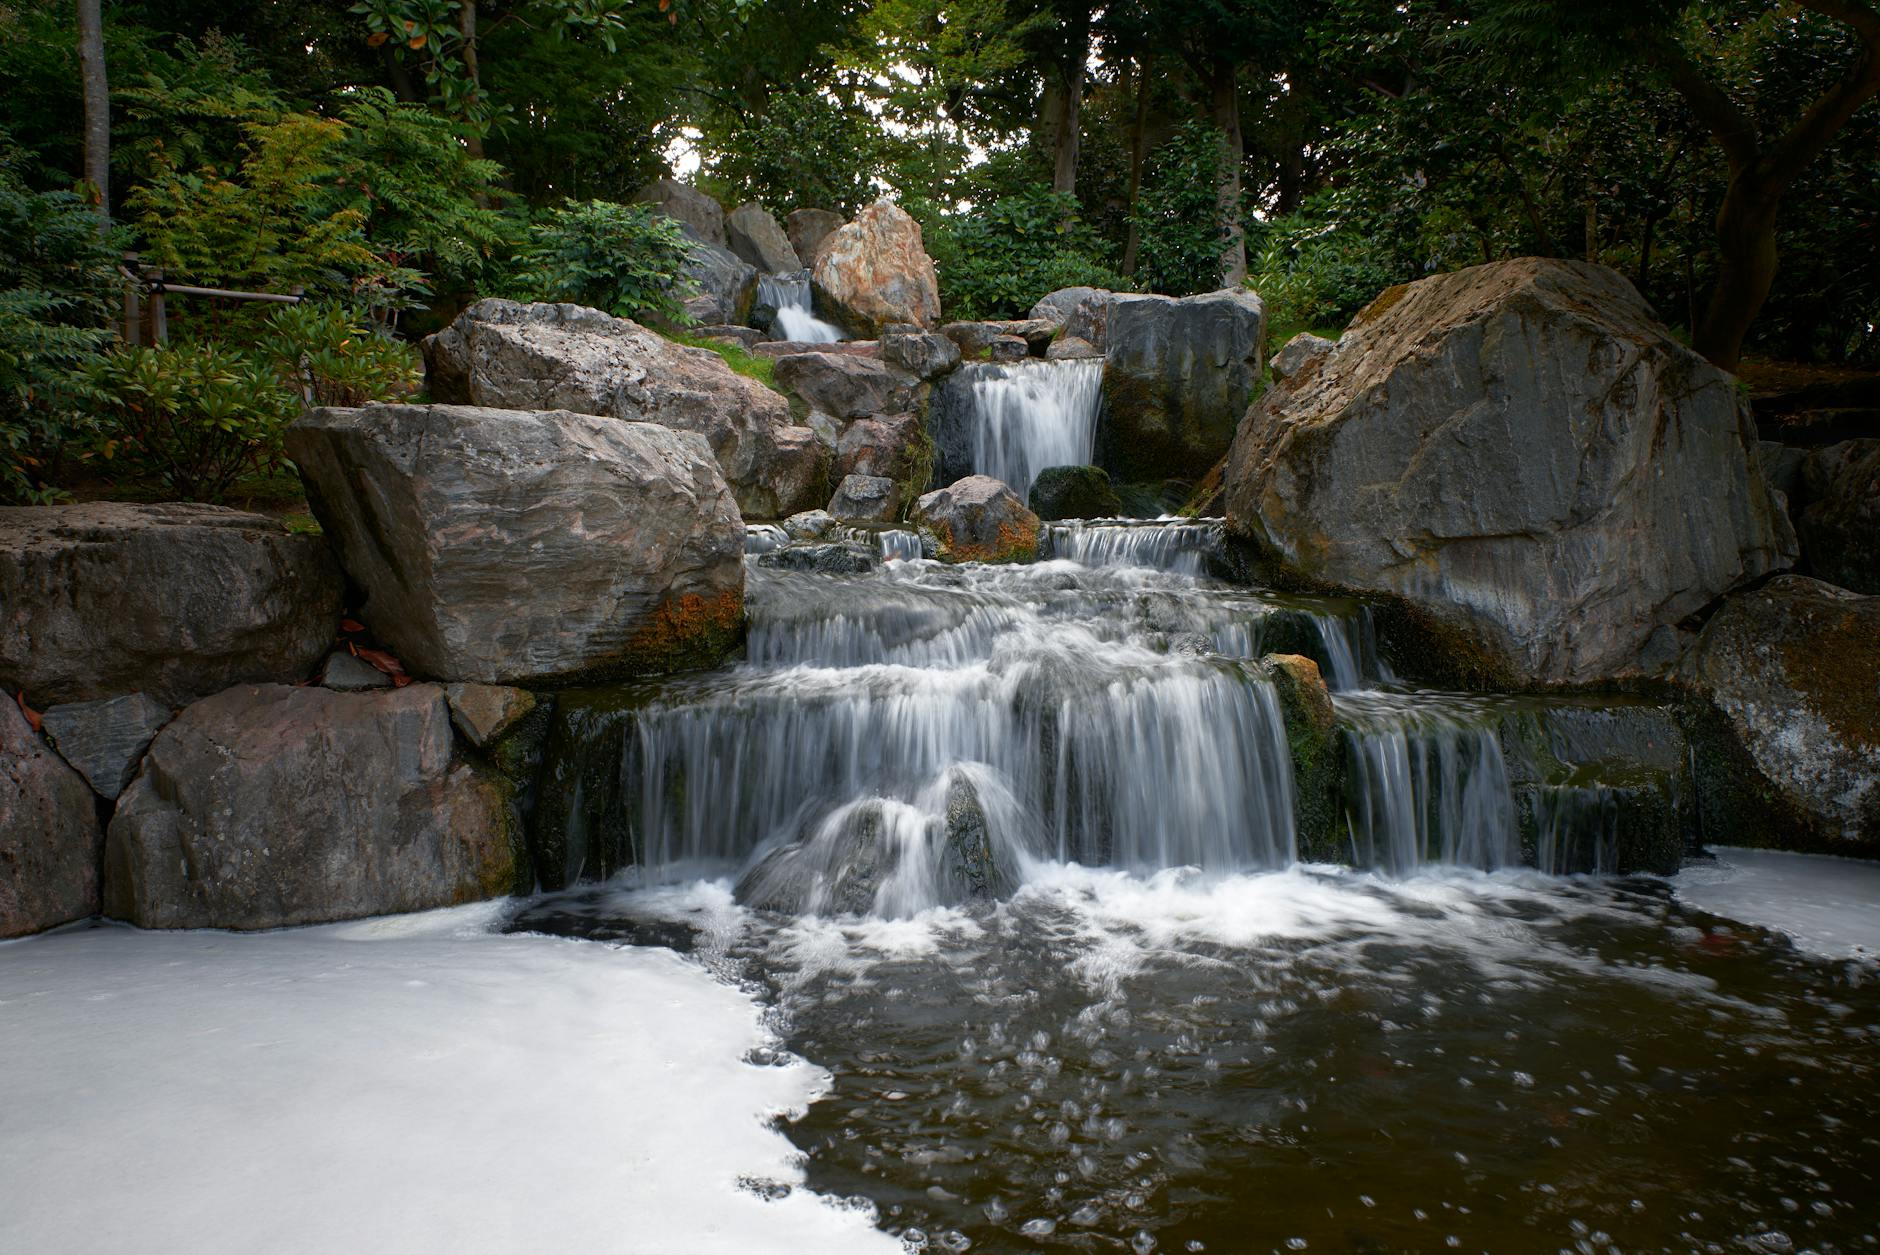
{"x":1317,"y":749}
{"x":1074,"y":492}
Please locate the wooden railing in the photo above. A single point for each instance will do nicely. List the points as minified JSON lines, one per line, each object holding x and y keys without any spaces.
{"x":146,"y":317}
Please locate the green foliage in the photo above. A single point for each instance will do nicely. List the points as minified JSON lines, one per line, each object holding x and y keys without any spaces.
{"x":1312,"y":275}
{"x":996,"y":260}
{"x":191,"y":417}
{"x":625,"y":259}
{"x":762,"y":369}
{"x":58,"y":279}
{"x":805,"y":149}
{"x":1177,"y":214}
{"x":196,"y":417}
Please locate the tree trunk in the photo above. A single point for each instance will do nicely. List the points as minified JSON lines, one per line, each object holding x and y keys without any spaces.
{"x":1050,"y":115}
{"x":1138,"y":135}
{"x":97,"y":105}
{"x":1746,"y":269}
{"x":467,"y":27}
{"x":1226,"y":91}
{"x":1070,"y":125}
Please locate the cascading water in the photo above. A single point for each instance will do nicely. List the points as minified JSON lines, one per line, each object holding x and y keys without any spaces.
{"x":1181,"y":546}
{"x":1031,"y":415}
{"x":789,"y":295}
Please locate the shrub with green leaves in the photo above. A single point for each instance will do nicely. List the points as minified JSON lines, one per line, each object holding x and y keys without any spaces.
{"x":996,"y":260}
{"x":626,"y":259}
{"x":58,"y":280}
{"x":1313,"y":275}
{"x":191,"y":418}
{"x":332,"y":354}
{"x":1177,"y":215}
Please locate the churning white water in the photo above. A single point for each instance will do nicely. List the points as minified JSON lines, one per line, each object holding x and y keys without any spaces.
{"x":1031,"y":415}
{"x":789,"y":295}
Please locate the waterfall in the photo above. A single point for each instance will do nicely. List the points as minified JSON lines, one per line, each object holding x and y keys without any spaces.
{"x":1426,"y":784}
{"x":1031,"y":415}
{"x":789,"y":295}
{"x":1179,"y":546}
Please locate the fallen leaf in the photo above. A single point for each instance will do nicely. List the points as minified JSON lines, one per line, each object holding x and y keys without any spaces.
{"x":383,"y":661}
{"x":351,"y":625}
{"x":32,"y":716}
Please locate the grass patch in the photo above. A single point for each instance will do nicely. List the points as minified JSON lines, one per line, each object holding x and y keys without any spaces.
{"x":748,"y":364}
{"x":302,"y":525}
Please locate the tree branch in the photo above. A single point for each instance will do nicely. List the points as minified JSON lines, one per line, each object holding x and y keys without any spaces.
{"x":1733,"y":129}
{"x":1823,"y":120}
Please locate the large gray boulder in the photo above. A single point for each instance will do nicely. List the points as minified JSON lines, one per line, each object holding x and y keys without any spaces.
{"x":50,"y":840}
{"x":979,"y":519}
{"x":1079,"y":313}
{"x":102,"y":599}
{"x":726,"y":285}
{"x":104,"y":740}
{"x":894,"y":445}
{"x":1793,"y":668}
{"x":808,"y":228}
{"x":548,"y":357}
{"x":1839,"y":522}
{"x":866,"y":499}
{"x":269,"y":805}
{"x":924,"y":354}
{"x":755,"y":237}
{"x":507,"y":546}
{"x":1299,"y":355}
{"x":846,"y":386}
{"x":875,"y":271}
{"x":1177,"y":376}
{"x":1523,"y":454}
{"x":703,"y":217}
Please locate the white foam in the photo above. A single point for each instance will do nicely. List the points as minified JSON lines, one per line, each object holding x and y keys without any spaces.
{"x":411,"y":1084}
{"x":1827,"y":905}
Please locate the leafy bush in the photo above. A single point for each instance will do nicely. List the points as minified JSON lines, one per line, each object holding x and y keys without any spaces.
{"x":626,"y":259}
{"x":195,"y":417}
{"x":192,"y":418}
{"x":998,"y":259}
{"x":58,"y":279}
{"x":1314,"y":273}
{"x":334,"y":355}
{"x":1177,"y":214}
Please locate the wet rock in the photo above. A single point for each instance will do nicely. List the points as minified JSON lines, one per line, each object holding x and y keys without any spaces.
{"x":545,"y":357}
{"x":1080,"y":313}
{"x":268,"y":805}
{"x":704,"y":216}
{"x":973,"y":866}
{"x":756,"y":238}
{"x":726,"y":283}
{"x":1074,"y":492}
{"x":845,"y":386}
{"x":507,"y":546}
{"x":50,"y":841}
{"x":1317,"y":753}
{"x":875,"y":271}
{"x":809,"y":525}
{"x":893,"y":445}
{"x":1071,"y":348}
{"x":832,"y":558}
{"x":980,"y":339}
{"x":105,"y":740}
{"x":1793,"y":671}
{"x":790,"y":348}
{"x":1177,"y":376}
{"x":1299,"y":354}
{"x":979,"y":519}
{"x":867,"y":499}
{"x":485,"y":713}
{"x":1839,"y":525}
{"x":1524,"y":456}
{"x":923,"y":354}
{"x":807,"y":229}
{"x":172,"y":600}
{"x":345,"y":673}
{"x":1782,"y":467}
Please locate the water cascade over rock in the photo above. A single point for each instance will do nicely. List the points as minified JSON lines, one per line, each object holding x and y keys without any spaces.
{"x":785,"y":300}
{"x":1011,"y":421}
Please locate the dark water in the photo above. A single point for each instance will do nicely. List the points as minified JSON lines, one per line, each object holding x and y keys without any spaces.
{"x":1315,"y":1060}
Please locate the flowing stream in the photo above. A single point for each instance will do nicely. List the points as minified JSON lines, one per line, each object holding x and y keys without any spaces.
{"x":1024,"y":855}
{"x":789,"y":295}
{"x":1030,"y":415}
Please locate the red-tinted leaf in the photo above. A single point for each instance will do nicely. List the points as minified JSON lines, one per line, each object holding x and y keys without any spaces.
{"x":351,"y":625}
{"x":382,"y":660}
{"x":32,"y":716}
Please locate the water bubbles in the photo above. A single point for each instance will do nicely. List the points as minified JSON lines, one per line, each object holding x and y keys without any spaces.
{"x":996,"y":1211}
{"x":1039,"y":1227}
{"x":1143,"y":1242}
{"x":1296,"y":1244}
{"x":1087,"y":1215}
